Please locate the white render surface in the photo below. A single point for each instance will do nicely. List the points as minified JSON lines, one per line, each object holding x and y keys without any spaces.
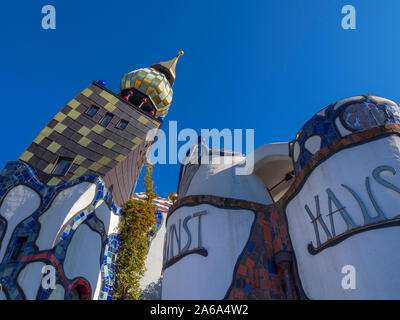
{"x":58,"y":293}
{"x":220,"y":179}
{"x":19,"y":203}
{"x":30,"y":279}
{"x":83,"y":256}
{"x":373,"y":253}
{"x":67,"y":204}
{"x":224,"y":235}
{"x":154,"y":262}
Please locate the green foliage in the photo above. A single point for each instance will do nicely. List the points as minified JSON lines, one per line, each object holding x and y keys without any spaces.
{"x":137,"y":221}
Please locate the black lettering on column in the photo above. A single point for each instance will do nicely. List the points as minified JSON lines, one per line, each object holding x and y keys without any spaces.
{"x":319,"y":219}
{"x":368,"y":219}
{"x":189,"y":236}
{"x":378,"y":209}
{"x":199,"y":214}
{"x":173,"y":233}
{"x":341,"y":209}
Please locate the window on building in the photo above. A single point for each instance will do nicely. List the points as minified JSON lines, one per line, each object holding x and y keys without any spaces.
{"x":18,"y":247}
{"x":92,"y":110}
{"x":62,"y":166}
{"x":122,"y":124}
{"x":106,"y":120}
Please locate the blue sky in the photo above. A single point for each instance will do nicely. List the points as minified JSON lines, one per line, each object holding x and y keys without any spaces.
{"x":263,"y":65}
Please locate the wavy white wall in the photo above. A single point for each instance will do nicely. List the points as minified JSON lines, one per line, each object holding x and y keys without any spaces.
{"x":374,"y":253}
{"x":224,"y":235}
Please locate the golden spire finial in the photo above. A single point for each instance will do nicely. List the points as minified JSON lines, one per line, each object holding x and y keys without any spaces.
{"x":168,"y":68}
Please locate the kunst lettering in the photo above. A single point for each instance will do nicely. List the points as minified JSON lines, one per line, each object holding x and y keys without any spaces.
{"x":174,"y":249}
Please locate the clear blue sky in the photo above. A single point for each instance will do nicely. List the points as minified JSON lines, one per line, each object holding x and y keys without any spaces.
{"x":266,"y":65}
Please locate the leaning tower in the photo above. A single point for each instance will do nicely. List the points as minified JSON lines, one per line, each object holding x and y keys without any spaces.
{"x":60,"y":203}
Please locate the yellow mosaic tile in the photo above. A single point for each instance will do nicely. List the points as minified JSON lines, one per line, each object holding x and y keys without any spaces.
{"x":84,"y":141}
{"x":109,"y":107}
{"x":74,"y":103}
{"x":53,"y":147}
{"x":84,"y":131}
{"x":26,"y":156}
{"x":46,"y":131}
{"x":87,"y":92}
{"x":54,"y":181}
{"x":39,"y":138}
{"x":80,"y":171}
{"x":60,"y":127}
{"x":109,"y":97}
{"x":120,"y":158}
{"x":95,"y":166}
{"x":79,"y":159}
{"x":104,"y":160}
{"x":49,"y":168}
{"x":60,"y":117}
{"x":137,"y":140}
{"x":73,"y":114}
{"x":98,"y":128}
{"x":109,"y":144}
{"x":143,"y":120}
{"x":149,"y":90}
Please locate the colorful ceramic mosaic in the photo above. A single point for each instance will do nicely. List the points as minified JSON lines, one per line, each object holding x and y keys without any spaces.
{"x":17,"y":173}
{"x":259,"y":272}
{"x":338,"y":120}
{"x":152,"y":83}
{"x":162,"y":205}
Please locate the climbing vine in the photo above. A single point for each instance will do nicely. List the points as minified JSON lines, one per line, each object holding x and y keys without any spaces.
{"x":137,"y":221}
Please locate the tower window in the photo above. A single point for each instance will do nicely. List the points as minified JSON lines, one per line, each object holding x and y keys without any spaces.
{"x":18,"y":247}
{"x":106,"y":120}
{"x":122,"y":124}
{"x":62,"y":166}
{"x":92,"y":111}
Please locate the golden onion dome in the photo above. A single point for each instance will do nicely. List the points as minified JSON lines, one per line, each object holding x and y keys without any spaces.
{"x":173,"y":196}
{"x":155,"y":82}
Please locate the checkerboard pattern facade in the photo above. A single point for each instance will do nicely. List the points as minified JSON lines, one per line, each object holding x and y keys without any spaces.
{"x":74,"y":134}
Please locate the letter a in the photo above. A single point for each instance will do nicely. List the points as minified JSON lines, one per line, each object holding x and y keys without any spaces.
{"x":349,"y":20}
{"x":349,"y":280}
{"x":49,"y":280}
{"x":49,"y":20}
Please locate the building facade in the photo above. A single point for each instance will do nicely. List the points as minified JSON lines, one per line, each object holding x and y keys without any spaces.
{"x":60,"y":203}
{"x":294,"y":225}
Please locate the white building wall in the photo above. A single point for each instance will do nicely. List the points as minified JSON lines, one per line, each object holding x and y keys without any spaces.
{"x":83,"y":256}
{"x":224,"y":234}
{"x":67,"y":204}
{"x":19,"y":203}
{"x":373,"y":253}
{"x":30,"y":279}
{"x":222,"y":180}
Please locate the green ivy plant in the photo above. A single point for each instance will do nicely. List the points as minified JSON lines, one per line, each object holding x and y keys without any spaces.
{"x":137,"y":221}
